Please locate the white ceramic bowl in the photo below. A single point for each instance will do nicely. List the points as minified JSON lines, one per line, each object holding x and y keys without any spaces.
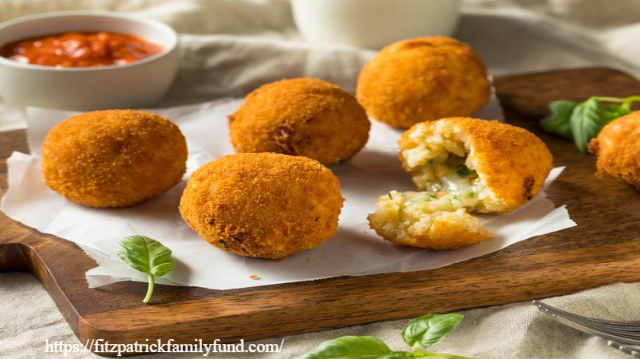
{"x":374,"y":23}
{"x":137,"y":84}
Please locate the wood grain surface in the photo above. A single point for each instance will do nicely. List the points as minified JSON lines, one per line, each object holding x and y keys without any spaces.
{"x":603,"y":248}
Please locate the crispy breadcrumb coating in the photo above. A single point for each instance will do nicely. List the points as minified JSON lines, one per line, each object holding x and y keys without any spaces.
{"x":423,"y":79}
{"x":462,"y":165}
{"x":618,"y":149}
{"x":114,"y":158}
{"x":263,"y":205}
{"x":301,"y":117}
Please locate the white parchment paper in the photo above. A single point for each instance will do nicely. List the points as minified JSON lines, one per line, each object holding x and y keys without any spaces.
{"x":355,"y":250}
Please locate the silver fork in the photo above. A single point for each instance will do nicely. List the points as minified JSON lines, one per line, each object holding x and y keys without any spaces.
{"x":623,"y":348}
{"x":618,"y":333}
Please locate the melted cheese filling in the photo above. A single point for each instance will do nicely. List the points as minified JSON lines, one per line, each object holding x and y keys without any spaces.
{"x":444,"y":171}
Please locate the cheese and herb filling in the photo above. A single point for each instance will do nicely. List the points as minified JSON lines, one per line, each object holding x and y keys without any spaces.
{"x":440,"y":158}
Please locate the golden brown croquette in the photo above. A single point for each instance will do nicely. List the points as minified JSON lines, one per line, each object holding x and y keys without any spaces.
{"x":421,"y":219}
{"x":423,"y":79}
{"x":301,"y":117}
{"x":114,"y":158}
{"x":263,"y":205}
{"x":618,"y":149}
{"x":508,"y":162}
{"x":462,"y":165}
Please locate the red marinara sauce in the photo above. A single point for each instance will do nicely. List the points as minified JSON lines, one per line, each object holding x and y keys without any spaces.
{"x":76,"y":49}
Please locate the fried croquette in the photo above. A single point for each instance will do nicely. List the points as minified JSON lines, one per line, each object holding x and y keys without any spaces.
{"x":114,"y":158}
{"x":618,"y":149}
{"x":301,"y":117}
{"x":462,"y":165}
{"x":420,"y":219}
{"x":263,"y":205}
{"x":423,"y":79}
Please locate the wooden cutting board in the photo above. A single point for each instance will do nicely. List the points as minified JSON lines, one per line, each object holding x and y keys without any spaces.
{"x":603,"y":248}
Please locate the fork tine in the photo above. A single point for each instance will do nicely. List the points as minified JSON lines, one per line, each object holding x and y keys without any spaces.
{"x":613,"y":331}
{"x":580,"y":324}
{"x":592,"y":331}
{"x":602,"y":321}
{"x":629,"y":329}
{"x":633,"y":352}
{"x":631,"y":326}
{"x":620,"y":323}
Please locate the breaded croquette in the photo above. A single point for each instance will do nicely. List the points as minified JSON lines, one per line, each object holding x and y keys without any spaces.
{"x":421,"y":219}
{"x":114,"y":158}
{"x":462,"y":165}
{"x":301,"y":117}
{"x":263,"y":205}
{"x":503,"y":164}
{"x":618,"y":149}
{"x":423,"y":79}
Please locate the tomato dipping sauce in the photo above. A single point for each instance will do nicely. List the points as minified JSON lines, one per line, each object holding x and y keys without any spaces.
{"x":76,"y":49}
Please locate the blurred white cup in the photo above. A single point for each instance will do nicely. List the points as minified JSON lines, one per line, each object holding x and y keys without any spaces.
{"x":373,"y":23}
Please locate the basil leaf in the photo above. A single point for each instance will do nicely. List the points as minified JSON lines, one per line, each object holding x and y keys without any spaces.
{"x":401,"y":355}
{"x":614,"y":111}
{"x":349,"y":347}
{"x":463,"y":171}
{"x":429,"y":329}
{"x":558,"y":121}
{"x":148,"y":256}
{"x":586,"y":121}
{"x":420,"y":355}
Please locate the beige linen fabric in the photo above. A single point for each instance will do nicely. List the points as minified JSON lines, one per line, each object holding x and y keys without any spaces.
{"x":229,"y":47}
{"x":517,"y":331}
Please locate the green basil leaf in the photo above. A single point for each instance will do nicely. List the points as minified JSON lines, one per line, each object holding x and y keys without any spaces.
{"x":420,"y":355}
{"x":614,"y":111}
{"x":148,"y":256}
{"x":463,"y":171}
{"x":558,"y":121}
{"x":349,"y":347}
{"x":401,"y":355}
{"x":429,"y":329}
{"x":586,"y":121}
